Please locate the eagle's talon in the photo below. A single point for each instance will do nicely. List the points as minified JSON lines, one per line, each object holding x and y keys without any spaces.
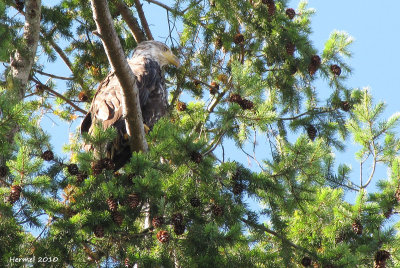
{"x":146,"y":128}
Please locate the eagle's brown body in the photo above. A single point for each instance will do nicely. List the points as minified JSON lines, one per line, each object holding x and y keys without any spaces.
{"x":107,"y":106}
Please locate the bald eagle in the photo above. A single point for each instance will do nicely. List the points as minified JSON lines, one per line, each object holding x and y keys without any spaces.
{"x":147,"y":63}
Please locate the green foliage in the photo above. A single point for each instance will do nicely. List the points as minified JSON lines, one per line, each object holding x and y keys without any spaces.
{"x":250,"y":98}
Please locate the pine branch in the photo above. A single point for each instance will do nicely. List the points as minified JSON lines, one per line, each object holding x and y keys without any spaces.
{"x":117,"y":59}
{"x":143,"y":20}
{"x":131,"y":21}
{"x":261,"y":227}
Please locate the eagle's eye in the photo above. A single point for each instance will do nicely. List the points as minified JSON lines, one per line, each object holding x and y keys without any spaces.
{"x":165,"y":49}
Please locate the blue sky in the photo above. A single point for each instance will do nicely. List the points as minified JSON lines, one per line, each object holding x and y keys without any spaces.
{"x":375,"y":55}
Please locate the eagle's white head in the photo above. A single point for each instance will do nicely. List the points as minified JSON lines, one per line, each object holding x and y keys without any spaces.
{"x":157,"y":51}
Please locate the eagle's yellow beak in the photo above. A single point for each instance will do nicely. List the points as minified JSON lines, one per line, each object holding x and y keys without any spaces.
{"x":171,"y":58}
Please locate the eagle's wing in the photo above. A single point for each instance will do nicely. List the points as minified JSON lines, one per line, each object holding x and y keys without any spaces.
{"x":106,"y":107}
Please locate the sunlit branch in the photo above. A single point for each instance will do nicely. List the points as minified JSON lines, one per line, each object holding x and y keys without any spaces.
{"x":143,"y":20}
{"x":131,"y":21}
{"x":53,"y":76}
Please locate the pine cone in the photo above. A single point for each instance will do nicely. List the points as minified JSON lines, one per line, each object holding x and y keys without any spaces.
{"x":133,"y":200}
{"x":382,"y":255}
{"x":312,"y":69}
{"x":311,"y":132}
{"x":81,"y":177}
{"x":271,"y":6}
{"x":214,"y":88}
{"x":316,"y":60}
{"x":127,"y":263}
{"x":97,"y":167}
{"x":396,"y":195}
{"x":217,"y":210}
{"x":19,"y":5}
{"x":112,"y":204}
{"x":336,"y":70}
{"x":235,"y":98}
{"x":15,"y":194}
{"x":39,"y":89}
{"x":223,"y":78}
{"x":179,"y":229}
{"x":380,"y":264}
{"x":157,"y":221}
{"x":345,"y":106}
{"x":218,"y":43}
{"x":238,"y":188}
{"x":181,"y":106}
{"x":177,"y":218}
{"x":195,"y":202}
{"x":3,"y":171}
{"x":380,"y":258}
{"x":196,"y":83}
{"x":290,"y":48}
{"x":117,"y":218}
{"x":290,"y":13}
{"x":47,"y":155}
{"x":357,"y":227}
{"x":99,"y":231}
{"x":163,"y":236}
{"x":196,"y":157}
{"x":82,"y":96}
{"x":388,"y":213}
{"x":340,"y":238}
{"x":246,"y":104}
{"x":343,"y":236}
{"x":238,"y":39}
{"x":293,"y":69}
{"x":73,"y":169}
{"x":108,"y":164}
{"x":306,"y":261}
{"x":314,"y":64}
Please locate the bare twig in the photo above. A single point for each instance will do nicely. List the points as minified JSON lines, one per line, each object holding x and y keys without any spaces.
{"x":53,"y":76}
{"x":131,"y":21}
{"x":311,"y":112}
{"x":132,"y":111}
{"x":143,"y":20}
{"x":215,"y":143}
{"x":76,"y":107}
{"x":61,"y":53}
{"x":163,"y":6}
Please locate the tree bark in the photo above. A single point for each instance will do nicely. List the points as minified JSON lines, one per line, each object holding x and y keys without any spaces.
{"x":126,"y":78}
{"x":22,"y":60}
{"x":143,"y":20}
{"x":130,"y":19}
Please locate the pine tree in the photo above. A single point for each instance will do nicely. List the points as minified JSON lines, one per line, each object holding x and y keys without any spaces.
{"x":245,"y":70}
